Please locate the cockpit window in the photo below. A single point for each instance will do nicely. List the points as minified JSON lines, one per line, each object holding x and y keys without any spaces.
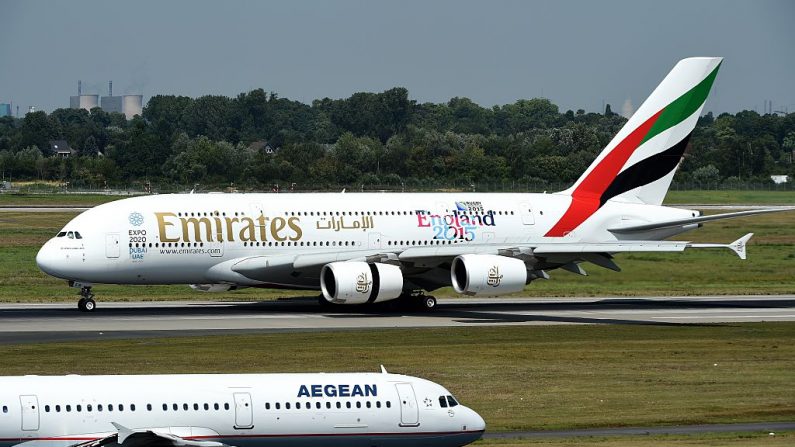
{"x":77,"y":235}
{"x":61,"y":234}
{"x":70,"y":235}
{"x":442,"y":402}
{"x":451,"y":401}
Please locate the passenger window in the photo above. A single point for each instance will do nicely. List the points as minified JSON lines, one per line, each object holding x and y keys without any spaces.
{"x":206,"y":406}
{"x":442,"y":402}
{"x":388,"y":404}
{"x":132,"y":407}
{"x":226,"y":406}
{"x":57,"y":409}
{"x":68,"y":408}
{"x":339,"y":405}
{"x":368,"y":404}
{"x":451,"y":401}
{"x":347,"y":404}
{"x":165,"y":407}
{"x":175,"y":407}
{"x":216,"y":406}
{"x":148,"y":407}
{"x":185,"y":407}
{"x":195,"y":407}
{"x":278,"y":406}
{"x":317,"y":405}
{"x":267,"y":405}
{"x":287,"y":406}
{"x":298,"y":405}
{"x":79,"y":408}
{"x":46,"y":408}
{"x":378,"y":404}
{"x":358,"y":404}
{"x":110,"y":407}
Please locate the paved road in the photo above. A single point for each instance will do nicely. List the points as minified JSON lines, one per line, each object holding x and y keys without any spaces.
{"x":763,"y":427}
{"x":53,"y":322}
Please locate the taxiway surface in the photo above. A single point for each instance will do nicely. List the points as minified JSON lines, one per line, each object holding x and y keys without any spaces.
{"x":23,"y":323}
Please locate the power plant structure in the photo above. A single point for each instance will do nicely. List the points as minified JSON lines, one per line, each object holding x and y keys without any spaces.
{"x":129,"y":105}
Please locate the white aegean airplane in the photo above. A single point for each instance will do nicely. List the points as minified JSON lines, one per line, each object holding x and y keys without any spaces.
{"x":374,"y":247}
{"x":349,"y":409}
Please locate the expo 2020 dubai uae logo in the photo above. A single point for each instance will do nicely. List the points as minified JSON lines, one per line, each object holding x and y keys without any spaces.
{"x":136,"y":219}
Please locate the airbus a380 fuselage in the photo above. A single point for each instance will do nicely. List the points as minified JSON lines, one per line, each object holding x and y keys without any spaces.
{"x":367,"y":248}
{"x":240,"y":410}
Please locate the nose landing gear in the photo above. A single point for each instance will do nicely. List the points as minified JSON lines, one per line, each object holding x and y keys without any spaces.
{"x":86,"y":302}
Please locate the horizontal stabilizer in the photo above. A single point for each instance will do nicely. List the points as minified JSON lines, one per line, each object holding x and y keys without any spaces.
{"x":692,"y":220}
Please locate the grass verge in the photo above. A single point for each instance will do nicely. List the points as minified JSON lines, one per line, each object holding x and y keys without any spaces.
{"x":522,"y":378}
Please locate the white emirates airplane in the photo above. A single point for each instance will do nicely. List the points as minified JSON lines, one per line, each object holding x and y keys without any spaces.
{"x":352,"y":409}
{"x":375,"y":247}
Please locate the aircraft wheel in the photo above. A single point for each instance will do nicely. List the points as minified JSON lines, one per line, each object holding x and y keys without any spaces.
{"x":86,"y":305}
{"x":428,"y":302}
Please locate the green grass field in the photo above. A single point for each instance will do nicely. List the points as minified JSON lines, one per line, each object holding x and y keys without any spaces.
{"x":541,"y":377}
{"x":770,"y":268}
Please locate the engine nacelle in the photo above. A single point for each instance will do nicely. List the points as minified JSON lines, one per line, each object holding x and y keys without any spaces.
{"x":488,"y":275}
{"x":360,"y":282}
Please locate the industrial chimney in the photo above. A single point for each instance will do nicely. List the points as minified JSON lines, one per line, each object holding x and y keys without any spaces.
{"x":110,"y":88}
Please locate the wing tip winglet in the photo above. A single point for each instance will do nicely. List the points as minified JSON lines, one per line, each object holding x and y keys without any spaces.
{"x":740,"y":245}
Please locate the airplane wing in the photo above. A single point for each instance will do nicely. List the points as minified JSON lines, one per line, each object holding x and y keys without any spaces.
{"x":126,"y":437}
{"x":630,"y":229}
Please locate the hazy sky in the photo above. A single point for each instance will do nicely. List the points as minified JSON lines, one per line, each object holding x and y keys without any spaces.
{"x":576,"y":53}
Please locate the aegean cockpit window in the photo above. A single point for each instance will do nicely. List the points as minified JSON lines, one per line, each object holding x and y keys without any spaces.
{"x":442,"y":402}
{"x":451,"y":400}
{"x":70,"y":235}
{"x":77,"y":235}
{"x":61,"y":234}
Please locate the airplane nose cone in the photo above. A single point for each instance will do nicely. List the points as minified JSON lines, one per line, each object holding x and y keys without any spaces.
{"x":477,"y":422}
{"x":46,"y":259}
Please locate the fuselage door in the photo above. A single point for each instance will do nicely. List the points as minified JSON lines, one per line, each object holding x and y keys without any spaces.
{"x":244,"y":411}
{"x":30,"y":412}
{"x":526,"y":211}
{"x":374,"y":240}
{"x":112,"y":245}
{"x":409,"y":412}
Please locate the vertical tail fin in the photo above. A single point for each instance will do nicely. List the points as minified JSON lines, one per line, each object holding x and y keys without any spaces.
{"x":639,"y":163}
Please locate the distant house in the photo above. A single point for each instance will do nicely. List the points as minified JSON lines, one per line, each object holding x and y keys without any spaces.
{"x":61,"y":148}
{"x":262,"y":146}
{"x":779,"y":179}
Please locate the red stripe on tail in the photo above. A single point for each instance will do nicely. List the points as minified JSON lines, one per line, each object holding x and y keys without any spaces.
{"x":586,"y":198}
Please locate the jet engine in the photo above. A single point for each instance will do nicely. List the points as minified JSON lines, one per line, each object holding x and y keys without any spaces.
{"x":488,"y":275}
{"x":359,"y":282}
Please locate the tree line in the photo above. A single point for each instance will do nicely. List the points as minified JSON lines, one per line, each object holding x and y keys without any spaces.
{"x":258,"y":139}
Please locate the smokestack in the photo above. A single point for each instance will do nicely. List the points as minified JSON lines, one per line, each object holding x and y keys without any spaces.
{"x":79,"y":87}
{"x":110,"y":88}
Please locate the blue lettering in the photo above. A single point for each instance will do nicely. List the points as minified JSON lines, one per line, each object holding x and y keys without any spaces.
{"x":317,"y":391}
{"x":357,"y":391}
{"x":330,"y":391}
{"x":371,"y":390}
{"x":345,"y":391}
{"x":303,"y":391}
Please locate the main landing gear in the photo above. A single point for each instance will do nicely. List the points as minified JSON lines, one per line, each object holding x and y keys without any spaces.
{"x":86,"y":302}
{"x":417,"y":300}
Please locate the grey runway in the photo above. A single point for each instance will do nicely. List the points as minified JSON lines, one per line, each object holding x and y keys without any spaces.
{"x":770,"y":428}
{"x":24,"y":323}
